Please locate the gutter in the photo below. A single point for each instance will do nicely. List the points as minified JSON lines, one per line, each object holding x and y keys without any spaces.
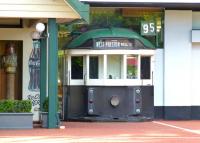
{"x":82,"y":9}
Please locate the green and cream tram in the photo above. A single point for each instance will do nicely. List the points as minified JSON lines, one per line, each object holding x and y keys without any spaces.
{"x":108,"y":76}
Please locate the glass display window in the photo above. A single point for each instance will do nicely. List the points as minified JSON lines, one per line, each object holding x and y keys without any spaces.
{"x":94,"y":67}
{"x":114,"y":66}
{"x":77,"y":67}
{"x":145,"y":67}
{"x":132,"y":66}
{"x":113,"y":69}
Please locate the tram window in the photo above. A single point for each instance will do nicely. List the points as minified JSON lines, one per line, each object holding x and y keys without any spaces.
{"x":114,"y":66}
{"x":145,"y":67}
{"x":94,"y":68}
{"x":132,"y":67}
{"x":77,"y":67}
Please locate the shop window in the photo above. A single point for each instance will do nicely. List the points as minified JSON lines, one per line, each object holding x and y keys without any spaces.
{"x":77,"y":67}
{"x":145,"y":67}
{"x":94,"y":68}
{"x":8,"y":89}
{"x":114,"y":66}
{"x":132,"y":67}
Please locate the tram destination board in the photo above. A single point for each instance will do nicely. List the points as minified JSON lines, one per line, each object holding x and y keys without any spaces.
{"x":110,"y":43}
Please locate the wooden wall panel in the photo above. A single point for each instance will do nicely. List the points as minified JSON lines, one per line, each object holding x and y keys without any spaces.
{"x":37,"y":9}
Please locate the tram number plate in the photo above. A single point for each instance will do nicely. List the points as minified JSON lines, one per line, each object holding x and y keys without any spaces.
{"x":148,"y":28}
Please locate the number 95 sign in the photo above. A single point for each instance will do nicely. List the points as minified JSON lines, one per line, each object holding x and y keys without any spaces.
{"x":148,"y":28}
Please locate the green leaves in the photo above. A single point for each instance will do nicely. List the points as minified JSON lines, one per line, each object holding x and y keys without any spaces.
{"x":46,"y":105}
{"x":15,"y":106}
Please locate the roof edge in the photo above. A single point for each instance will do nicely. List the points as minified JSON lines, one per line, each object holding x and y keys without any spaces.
{"x":81,"y":8}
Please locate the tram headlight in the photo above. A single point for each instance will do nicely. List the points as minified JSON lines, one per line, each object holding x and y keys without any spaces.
{"x":114,"y":101}
{"x":91,"y":111}
{"x":138,"y":91}
{"x":138,"y":110}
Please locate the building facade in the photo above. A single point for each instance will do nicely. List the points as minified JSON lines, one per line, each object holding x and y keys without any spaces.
{"x":176,"y":67}
{"x":28,"y":63}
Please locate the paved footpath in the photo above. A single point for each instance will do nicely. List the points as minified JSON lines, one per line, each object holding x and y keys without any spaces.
{"x":87,"y":132}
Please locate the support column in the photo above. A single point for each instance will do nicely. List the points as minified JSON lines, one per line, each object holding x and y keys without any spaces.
{"x":43,"y":72}
{"x":52,"y":72}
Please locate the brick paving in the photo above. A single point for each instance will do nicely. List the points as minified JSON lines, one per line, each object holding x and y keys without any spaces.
{"x":86,"y":132}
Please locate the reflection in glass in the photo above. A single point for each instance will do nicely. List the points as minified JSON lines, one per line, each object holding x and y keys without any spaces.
{"x":132,"y":67}
{"x":77,"y":67}
{"x":145,"y":67}
{"x":114,"y":66}
{"x":94,"y":67}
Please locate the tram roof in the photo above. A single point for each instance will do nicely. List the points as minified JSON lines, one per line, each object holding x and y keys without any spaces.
{"x":108,"y":33}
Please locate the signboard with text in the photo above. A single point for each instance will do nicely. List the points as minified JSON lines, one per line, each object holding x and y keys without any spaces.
{"x":148,"y":28}
{"x":111,"y":43}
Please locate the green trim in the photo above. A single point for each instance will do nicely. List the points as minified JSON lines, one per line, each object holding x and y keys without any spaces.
{"x":43,"y":72}
{"x":81,"y":8}
{"x":52,"y":72}
{"x":108,"y":32}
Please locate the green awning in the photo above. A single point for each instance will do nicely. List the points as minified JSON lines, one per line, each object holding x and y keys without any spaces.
{"x":81,"y":8}
{"x":109,"y":33}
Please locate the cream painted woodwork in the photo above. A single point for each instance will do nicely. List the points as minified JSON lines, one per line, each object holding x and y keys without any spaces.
{"x":104,"y":57}
{"x":59,"y":9}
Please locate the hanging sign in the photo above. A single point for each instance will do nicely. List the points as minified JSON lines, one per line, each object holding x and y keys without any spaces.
{"x":112,"y":43}
{"x":148,"y":28}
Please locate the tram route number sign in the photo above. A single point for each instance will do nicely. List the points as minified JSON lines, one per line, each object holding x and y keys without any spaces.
{"x":148,"y":28}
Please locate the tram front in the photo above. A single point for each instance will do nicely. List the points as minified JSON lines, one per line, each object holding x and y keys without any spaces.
{"x":108,"y":76}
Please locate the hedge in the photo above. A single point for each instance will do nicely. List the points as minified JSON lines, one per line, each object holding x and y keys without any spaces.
{"x":15,"y":106}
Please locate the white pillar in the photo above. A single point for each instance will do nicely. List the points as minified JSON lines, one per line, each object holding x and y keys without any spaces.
{"x":124,"y":65}
{"x":105,"y":66}
{"x":177,"y":58}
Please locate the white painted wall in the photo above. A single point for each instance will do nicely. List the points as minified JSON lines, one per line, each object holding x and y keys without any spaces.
{"x":158,"y":80}
{"x":177,"y":58}
{"x":195,"y":63}
{"x":23,"y":34}
{"x":195,"y":94}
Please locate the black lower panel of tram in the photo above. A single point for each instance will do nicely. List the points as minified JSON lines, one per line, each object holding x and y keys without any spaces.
{"x":105,"y":103}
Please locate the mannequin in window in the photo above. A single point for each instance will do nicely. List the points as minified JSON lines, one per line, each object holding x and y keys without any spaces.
{"x":10,"y":65}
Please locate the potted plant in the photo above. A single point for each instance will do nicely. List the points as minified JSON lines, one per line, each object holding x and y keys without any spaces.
{"x":44,"y":113}
{"x":16,"y":114}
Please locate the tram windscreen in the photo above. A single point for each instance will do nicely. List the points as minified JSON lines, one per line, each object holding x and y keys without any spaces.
{"x":94,"y":68}
{"x":77,"y":67}
{"x":145,"y":67}
{"x":114,"y":66}
{"x":132,"y":67}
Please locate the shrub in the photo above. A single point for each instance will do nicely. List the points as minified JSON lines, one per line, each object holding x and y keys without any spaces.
{"x":6,"y":106}
{"x":15,"y":106}
{"x":46,"y":105}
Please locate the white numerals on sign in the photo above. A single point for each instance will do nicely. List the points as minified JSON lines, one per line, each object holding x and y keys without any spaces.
{"x":152,"y":27}
{"x":148,"y":28}
{"x":145,"y":28}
